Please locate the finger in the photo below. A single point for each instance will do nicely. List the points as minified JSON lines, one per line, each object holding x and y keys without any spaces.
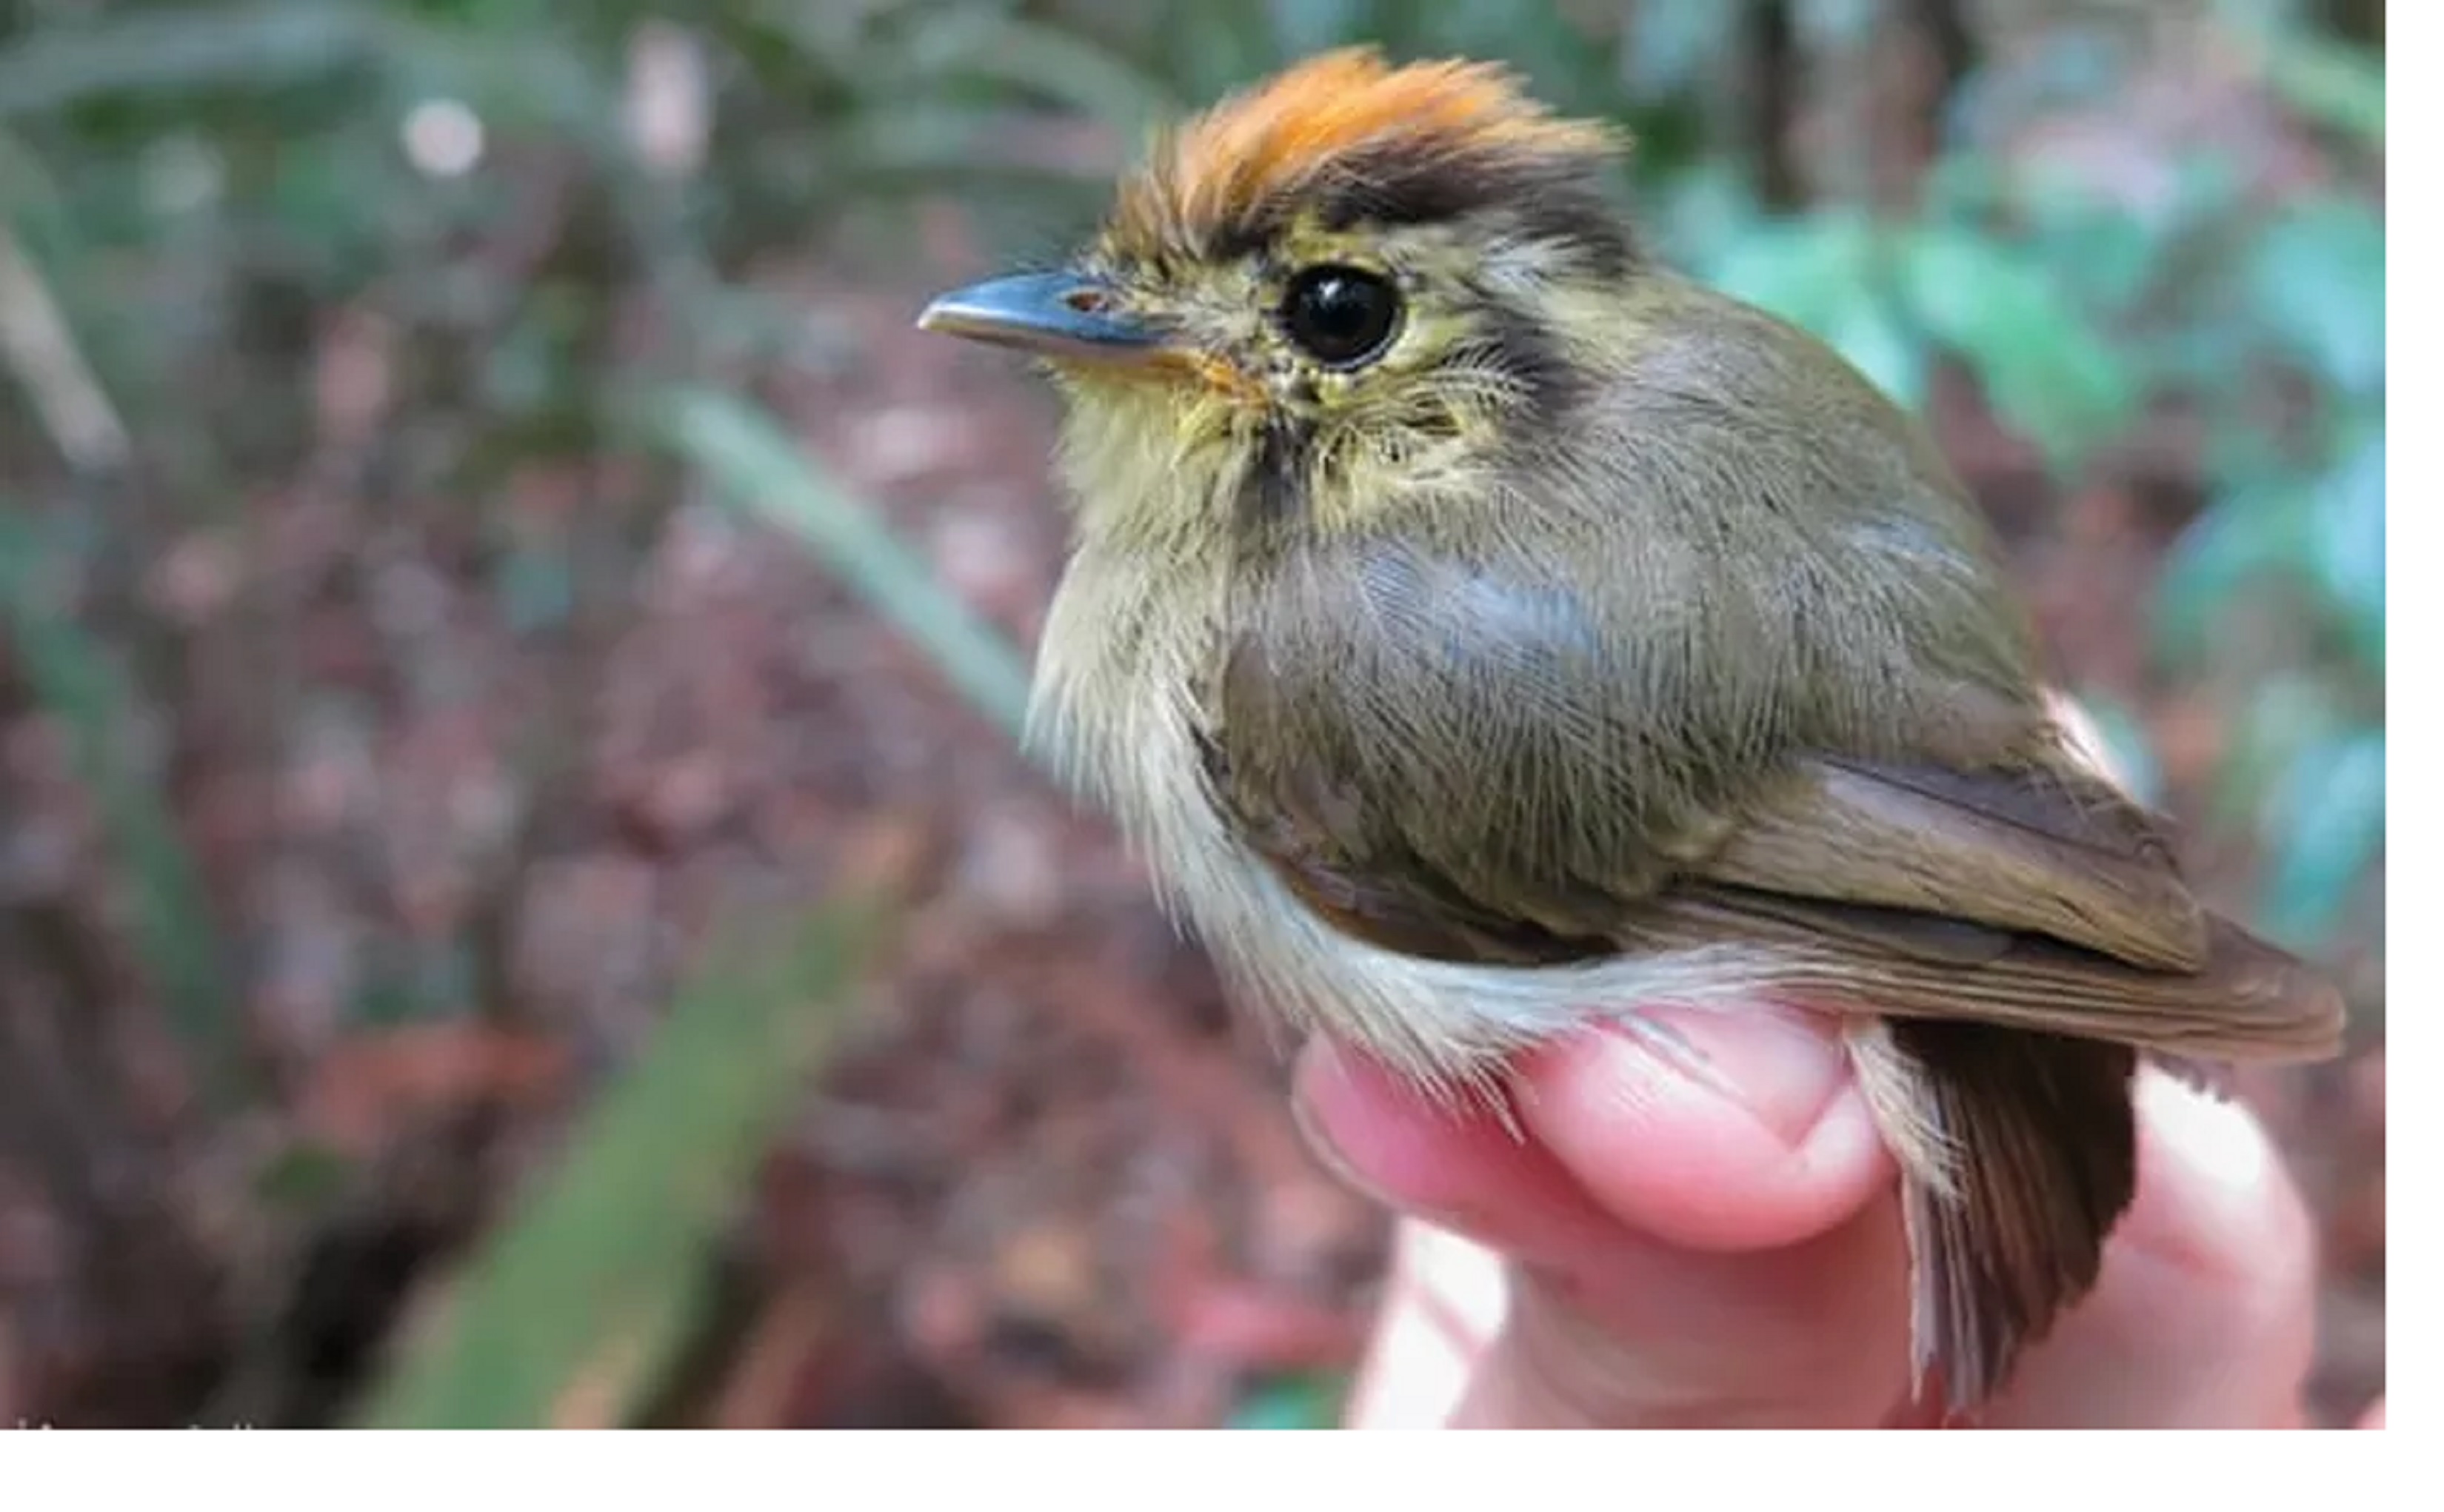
{"x":2203,"y":1314}
{"x":1685,"y":1257}
{"x":1618,"y":1136}
{"x":1703,"y":1340}
{"x":1443,"y":1303}
{"x":1792,"y":1153}
{"x":1456,"y":1166}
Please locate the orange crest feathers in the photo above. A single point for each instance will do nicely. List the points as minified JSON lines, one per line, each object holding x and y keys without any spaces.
{"x":1341,"y":117}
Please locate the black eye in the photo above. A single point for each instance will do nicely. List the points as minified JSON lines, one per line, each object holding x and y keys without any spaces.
{"x":1341,"y":315}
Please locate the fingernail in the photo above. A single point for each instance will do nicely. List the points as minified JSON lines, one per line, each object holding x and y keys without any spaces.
{"x":1782,"y":1068}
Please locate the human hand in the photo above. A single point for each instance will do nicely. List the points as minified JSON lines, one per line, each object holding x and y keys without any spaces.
{"x":1655,"y":1254}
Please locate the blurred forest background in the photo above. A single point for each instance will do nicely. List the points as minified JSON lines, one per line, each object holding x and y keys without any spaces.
{"x":517,"y":904}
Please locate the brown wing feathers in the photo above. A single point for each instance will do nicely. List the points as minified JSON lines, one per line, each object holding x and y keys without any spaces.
{"x":1945,"y":909}
{"x":2247,"y":999}
{"x":2024,"y":930}
{"x":2038,"y":853}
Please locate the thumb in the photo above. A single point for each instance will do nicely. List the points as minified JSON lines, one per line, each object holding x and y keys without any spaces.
{"x":1680,"y":1250}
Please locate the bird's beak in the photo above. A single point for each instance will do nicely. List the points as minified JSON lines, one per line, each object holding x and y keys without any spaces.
{"x":1060,"y":315}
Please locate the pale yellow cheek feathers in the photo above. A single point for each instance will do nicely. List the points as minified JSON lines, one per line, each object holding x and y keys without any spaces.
{"x":1153,"y":465}
{"x":1161,"y":467}
{"x":1159,"y":456}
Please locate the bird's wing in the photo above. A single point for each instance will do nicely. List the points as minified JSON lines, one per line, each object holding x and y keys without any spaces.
{"x":1469,"y":779}
{"x":1462,"y":778}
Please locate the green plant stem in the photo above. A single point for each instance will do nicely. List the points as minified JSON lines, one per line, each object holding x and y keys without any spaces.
{"x":759,"y":471}
{"x":571,"y":1314}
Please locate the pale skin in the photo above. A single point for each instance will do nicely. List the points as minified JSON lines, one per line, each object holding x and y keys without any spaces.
{"x":1655,"y":1254}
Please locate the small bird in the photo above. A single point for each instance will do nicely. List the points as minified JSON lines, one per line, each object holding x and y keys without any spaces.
{"x":1485,"y":630}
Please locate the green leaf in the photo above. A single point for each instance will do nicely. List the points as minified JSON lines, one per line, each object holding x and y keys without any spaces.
{"x":1705,"y":212}
{"x":572,"y":1313}
{"x":760,"y":471}
{"x":1807,"y":271}
{"x":2105,"y":254}
{"x":2249,"y":534}
{"x":2333,"y":82}
{"x":1871,"y":333}
{"x":1292,"y":1401}
{"x":2281,"y":717}
{"x":1822,"y":274}
{"x":2349,"y":556}
{"x":2045,"y":367}
{"x":2325,"y":828}
{"x":2316,"y":278}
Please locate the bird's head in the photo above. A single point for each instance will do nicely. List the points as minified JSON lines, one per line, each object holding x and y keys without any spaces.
{"x":1351,"y":284}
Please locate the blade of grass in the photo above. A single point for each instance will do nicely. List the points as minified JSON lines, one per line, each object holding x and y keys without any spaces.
{"x":36,"y":343}
{"x":76,"y":682}
{"x":757,"y":468}
{"x":159,"y":50}
{"x":1058,"y":65}
{"x":571,"y":1314}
